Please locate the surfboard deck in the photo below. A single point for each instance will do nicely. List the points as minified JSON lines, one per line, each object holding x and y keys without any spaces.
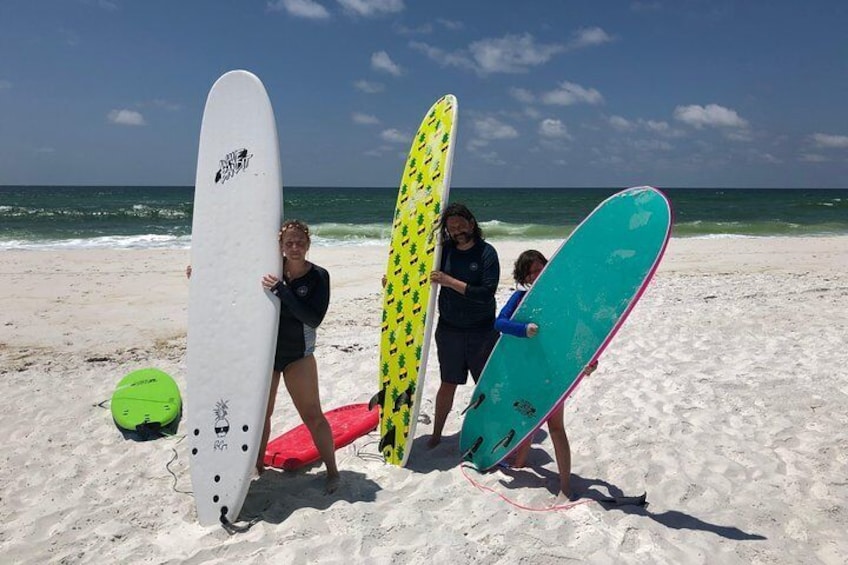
{"x":408,"y":297}
{"x":146,"y":398}
{"x":232,"y":322}
{"x":579,"y":302}
{"x":295,"y":448}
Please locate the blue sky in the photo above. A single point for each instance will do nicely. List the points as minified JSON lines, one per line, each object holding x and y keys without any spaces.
{"x":674,"y":93}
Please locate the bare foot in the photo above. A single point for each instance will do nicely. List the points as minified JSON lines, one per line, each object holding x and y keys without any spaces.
{"x":332,"y":484}
{"x":434,"y":441}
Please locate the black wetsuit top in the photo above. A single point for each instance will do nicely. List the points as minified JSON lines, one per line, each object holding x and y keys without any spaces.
{"x":303,"y":304}
{"x":479,"y":268}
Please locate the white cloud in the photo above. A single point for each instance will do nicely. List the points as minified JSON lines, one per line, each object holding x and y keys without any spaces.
{"x":830,"y":141}
{"x":813,"y":158}
{"x":364,"y":119}
{"x":423,"y":29}
{"x":457,"y":59}
{"x":490,"y":157}
{"x":126,"y":118}
{"x":660,"y":127}
{"x":619,"y":123}
{"x":381,"y":61}
{"x":490,"y":129}
{"x":368,"y":8}
{"x":378,"y":151}
{"x":165,"y":105}
{"x":107,"y":5}
{"x":711,"y":115}
{"x":588,"y":37}
{"x":452,"y":25}
{"x":522,"y":95}
{"x":308,"y":9}
{"x":368,"y":87}
{"x":650,"y":145}
{"x":552,"y":128}
{"x":511,"y":54}
{"x":395,"y":136}
{"x":570,"y":93}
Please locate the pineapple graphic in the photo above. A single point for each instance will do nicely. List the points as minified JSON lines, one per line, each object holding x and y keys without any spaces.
{"x":393,"y":348}
{"x":222,"y":425}
{"x":416,"y":302}
{"x":402,"y":371}
{"x":409,"y":337}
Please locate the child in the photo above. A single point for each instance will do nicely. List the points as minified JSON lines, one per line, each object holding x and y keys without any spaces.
{"x":528,"y":266}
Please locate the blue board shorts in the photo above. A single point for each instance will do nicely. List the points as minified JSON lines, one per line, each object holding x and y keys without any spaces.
{"x":464,"y":351}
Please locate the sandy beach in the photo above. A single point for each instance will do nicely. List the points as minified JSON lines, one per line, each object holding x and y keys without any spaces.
{"x":724,"y":397}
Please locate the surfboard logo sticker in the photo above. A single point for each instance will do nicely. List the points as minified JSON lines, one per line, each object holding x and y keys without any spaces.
{"x":524,"y":407}
{"x":232,"y":164}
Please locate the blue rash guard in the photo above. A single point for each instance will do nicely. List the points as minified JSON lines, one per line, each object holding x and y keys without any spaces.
{"x":504,"y":322}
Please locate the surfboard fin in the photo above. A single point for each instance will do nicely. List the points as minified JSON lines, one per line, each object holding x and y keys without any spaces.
{"x":505,"y":441}
{"x":387,"y":440}
{"x":474,"y":404}
{"x":466,"y":455}
{"x":401,"y":400}
{"x":377,"y":399}
{"x":640,"y":500}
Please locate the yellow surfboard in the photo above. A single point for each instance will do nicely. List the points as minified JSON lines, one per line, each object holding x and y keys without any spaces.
{"x":408,"y":297}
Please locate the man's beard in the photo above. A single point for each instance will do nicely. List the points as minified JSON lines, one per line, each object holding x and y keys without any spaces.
{"x":462,"y":237}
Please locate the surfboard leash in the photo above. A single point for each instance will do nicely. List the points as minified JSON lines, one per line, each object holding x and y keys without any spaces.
{"x":463,"y":467}
{"x":173,"y":474}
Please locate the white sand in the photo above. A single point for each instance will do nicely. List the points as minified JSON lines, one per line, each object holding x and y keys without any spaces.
{"x":724,"y":396}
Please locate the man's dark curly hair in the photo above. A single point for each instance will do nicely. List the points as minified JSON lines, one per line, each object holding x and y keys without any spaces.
{"x":462,"y":211}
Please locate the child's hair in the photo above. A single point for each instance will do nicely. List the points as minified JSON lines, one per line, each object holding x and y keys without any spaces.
{"x":294,"y":225}
{"x":524,"y":262}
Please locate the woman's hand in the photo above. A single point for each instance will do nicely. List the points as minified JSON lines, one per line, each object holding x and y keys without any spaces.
{"x":532,"y":329}
{"x":269,"y":281}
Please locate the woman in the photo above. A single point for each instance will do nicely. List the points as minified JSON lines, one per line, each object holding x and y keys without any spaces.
{"x":304,"y":293}
{"x":528,"y":267}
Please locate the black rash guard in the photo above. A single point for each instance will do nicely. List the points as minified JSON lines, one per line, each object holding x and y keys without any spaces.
{"x":478,"y":268}
{"x":303,"y":304}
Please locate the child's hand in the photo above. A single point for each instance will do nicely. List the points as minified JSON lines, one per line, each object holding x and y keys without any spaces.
{"x":532,"y":329}
{"x":590,"y":368}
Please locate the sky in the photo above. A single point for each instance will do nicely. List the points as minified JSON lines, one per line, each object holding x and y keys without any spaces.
{"x":552,"y":93}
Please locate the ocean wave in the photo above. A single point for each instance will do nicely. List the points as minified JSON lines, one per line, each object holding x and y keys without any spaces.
{"x":145,"y":241}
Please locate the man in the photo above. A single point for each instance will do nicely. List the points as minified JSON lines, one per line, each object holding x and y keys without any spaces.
{"x":465,"y":334}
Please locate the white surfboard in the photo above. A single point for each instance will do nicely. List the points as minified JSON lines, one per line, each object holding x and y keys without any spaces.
{"x":232,"y":320}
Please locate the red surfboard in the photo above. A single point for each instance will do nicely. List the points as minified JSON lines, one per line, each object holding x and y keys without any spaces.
{"x":295,"y":448}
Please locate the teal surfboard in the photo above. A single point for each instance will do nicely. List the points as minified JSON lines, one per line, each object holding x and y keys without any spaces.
{"x":146,"y":400}
{"x":579,"y":301}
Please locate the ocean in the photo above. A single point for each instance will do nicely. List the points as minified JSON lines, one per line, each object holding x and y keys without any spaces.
{"x":63,"y":217}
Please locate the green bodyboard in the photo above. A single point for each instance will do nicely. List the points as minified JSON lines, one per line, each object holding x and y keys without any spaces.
{"x":579,"y":301}
{"x":146,"y":399}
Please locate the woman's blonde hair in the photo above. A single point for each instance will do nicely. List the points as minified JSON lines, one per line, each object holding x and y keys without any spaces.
{"x":294,"y":225}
